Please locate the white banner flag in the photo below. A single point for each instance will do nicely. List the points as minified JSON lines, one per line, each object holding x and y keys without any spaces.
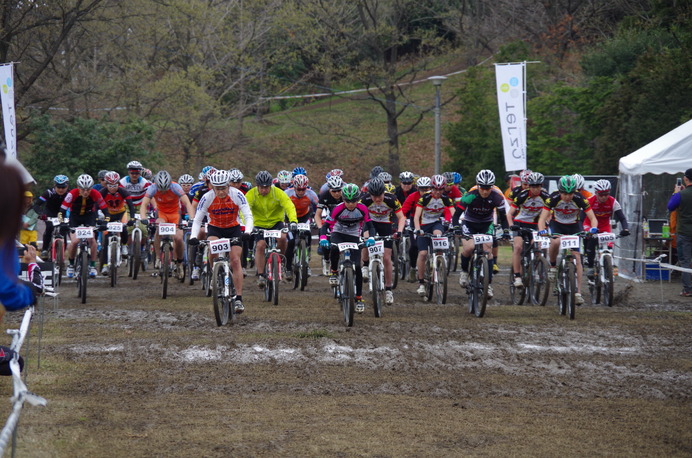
{"x":8,"y":117}
{"x":510,"y":101}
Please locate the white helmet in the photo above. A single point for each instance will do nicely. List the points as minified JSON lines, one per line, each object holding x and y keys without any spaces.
{"x":186,"y":179}
{"x":235,"y":175}
{"x":424,"y":182}
{"x":162,"y":180}
{"x":85,"y":181}
{"x":284,"y":177}
{"x":220,"y":178}
{"x":579,"y":180}
{"x":335,"y":182}
{"x":438,"y":181}
{"x":602,"y":185}
{"x":485,"y":178}
{"x":135,"y":165}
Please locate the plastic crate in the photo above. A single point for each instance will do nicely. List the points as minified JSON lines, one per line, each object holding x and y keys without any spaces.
{"x":654,"y":272}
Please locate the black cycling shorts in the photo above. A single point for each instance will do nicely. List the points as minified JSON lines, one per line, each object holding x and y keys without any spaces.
{"x":226,"y":233}
{"x":384,"y":229}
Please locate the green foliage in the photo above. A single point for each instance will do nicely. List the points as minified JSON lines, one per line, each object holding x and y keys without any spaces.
{"x":87,"y":146}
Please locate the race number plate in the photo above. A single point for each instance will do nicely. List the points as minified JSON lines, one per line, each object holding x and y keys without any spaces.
{"x":569,"y":241}
{"x":55,"y":221}
{"x":377,"y":249}
{"x":84,"y":232}
{"x":480,"y":239}
{"x":304,"y":226}
{"x":220,"y":246}
{"x":348,"y":246}
{"x":606,"y":237}
{"x":115,"y":227}
{"x":272,"y":234}
{"x":167,"y":229}
{"x":543,"y":241}
{"x":440,"y":243}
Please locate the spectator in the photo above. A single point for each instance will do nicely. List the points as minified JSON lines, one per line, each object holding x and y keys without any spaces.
{"x":29,"y":234}
{"x":682,"y":202}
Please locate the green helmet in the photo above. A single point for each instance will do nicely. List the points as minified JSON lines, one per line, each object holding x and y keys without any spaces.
{"x":567,"y":184}
{"x":350,"y":192}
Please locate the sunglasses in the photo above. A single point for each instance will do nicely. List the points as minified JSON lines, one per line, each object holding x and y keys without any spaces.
{"x":424,"y":189}
{"x":486,"y":187}
{"x":135,"y":171}
{"x":301,"y":189}
{"x":603,"y":193}
{"x":61,"y":186}
{"x":335,"y":190}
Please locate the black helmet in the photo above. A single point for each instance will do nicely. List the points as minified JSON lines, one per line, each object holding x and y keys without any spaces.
{"x":263,"y":178}
{"x":376,"y":187}
{"x":375,"y":172}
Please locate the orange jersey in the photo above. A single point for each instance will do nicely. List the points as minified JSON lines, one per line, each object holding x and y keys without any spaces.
{"x":166,"y":201}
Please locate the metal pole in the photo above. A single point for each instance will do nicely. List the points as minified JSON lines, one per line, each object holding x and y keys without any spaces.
{"x":437,"y":81}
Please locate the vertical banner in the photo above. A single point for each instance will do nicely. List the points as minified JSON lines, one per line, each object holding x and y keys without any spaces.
{"x":511,"y":103}
{"x":8,"y":117}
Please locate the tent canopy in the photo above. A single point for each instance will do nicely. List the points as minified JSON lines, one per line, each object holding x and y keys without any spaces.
{"x":671,"y":153}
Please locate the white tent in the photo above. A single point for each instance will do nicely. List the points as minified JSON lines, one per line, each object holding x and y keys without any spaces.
{"x":671,"y":154}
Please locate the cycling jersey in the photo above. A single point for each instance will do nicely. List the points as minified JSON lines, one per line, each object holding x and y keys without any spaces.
{"x":514,"y":192}
{"x":136,"y":189}
{"x":271,"y":209}
{"x":409,"y":205}
{"x":198,"y":193}
{"x":604,"y":211}
{"x":118,"y":200}
{"x":529,"y":206}
{"x":223,"y":212}
{"x":566,"y":212}
{"x":80,"y":206}
{"x":433,"y":208}
{"x":402,"y":195}
{"x":478,"y":209}
{"x":384,"y":211}
{"x":453,"y":193}
{"x":348,"y":222}
{"x":52,"y":200}
{"x":327,"y":201}
{"x":304,"y":205}
{"x":167,"y":201}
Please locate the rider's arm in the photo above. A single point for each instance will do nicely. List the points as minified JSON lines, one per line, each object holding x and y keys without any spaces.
{"x":143,"y":208}
{"x":545,"y":213}
{"x":592,"y":217}
{"x":200,"y":215}
{"x":318,"y":217}
{"x":188,"y":206}
{"x":416,"y":217}
{"x":401,"y":221}
{"x":288,"y":207}
{"x":245,"y":210}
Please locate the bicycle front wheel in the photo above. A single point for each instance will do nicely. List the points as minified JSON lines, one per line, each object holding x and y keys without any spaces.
{"x":165,"y":269}
{"x":220,"y":300}
{"x":441,"y":280}
{"x":136,"y":253}
{"x":348,"y":296}
{"x":84,"y":275}
{"x":539,"y":285}
{"x":481,"y":281}
{"x":59,"y":248}
{"x":395,"y":264}
{"x":608,"y":281}
{"x":570,"y":288}
{"x":275,"y":277}
{"x":377,"y":288}
{"x":304,"y":263}
{"x":114,"y":248}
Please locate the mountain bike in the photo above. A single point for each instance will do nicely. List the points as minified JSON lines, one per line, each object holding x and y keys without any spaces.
{"x":435,"y":274}
{"x":301,"y":256}
{"x":602,"y":284}
{"x":223,"y":289}
{"x":166,"y":233}
{"x":82,"y":258}
{"x":395,"y":263}
{"x":403,"y":259}
{"x":205,"y":268}
{"x":345,"y":290}
{"x":376,"y":269}
{"x":274,"y":264}
{"x":113,"y":250}
{"x":135,"y":250}
{"x":479,"y":275}
{"x":566,"y":277}
{"x":452,"y":252}
{"x":57,"y":249}
{"x":534,"y":270}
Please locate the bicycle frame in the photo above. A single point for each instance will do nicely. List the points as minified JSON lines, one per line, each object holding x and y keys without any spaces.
{"x":436,"y":278}
{"x":479,"y":274}
{"x":345,"y":292}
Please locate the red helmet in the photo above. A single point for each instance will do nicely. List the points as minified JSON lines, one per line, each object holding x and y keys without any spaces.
{"x":300,"y":181}
{"x":438,"y":181}
{"x":112,"y":178}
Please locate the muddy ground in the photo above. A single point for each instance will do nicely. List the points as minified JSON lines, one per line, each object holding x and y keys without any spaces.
{"x":130,"y":374}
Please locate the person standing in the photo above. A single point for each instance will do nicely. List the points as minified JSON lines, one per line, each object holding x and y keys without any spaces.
{"x":681,"y":200}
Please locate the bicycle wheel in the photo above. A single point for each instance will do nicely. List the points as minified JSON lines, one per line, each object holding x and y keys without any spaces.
{"x":276,"y":265}
{"x":403,"y":259}
{"x":303,"y":271}
{"x":136,"y":253}
{"x":165,"y":268}
{"x":348,"y":296}
{"x":429,"y":278}
{"x":220,"y":300}
{"x":570,"y":289}
{"x":395,"y":264}
{"x":268,"y":290}
{"x":441,"y":281}
{"x":608,"y":281}
{"x":539,"y":285}
{"x":481,"y":283}
{"x":84,"y":275}
{"x":456,"y":253}
{"x":59,"y":249}
{"x":191,"y":257}
{"x":114,"y":248}
{"x":595,"y":285}
{"x":377,"y":288}
{"x":518,"y":294}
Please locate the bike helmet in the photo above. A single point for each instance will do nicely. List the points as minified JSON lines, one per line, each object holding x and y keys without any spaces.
{"x":438,"y":182}
{"x":235,"y":175}
{"x":186,"y":179}
{"x":424,"y":182}
{"x":457,"y":177}
{"x":350,"y":192}
{"x":299,"y":171}
{"x":567,"y":184}
{"x":247,"y":184}
{"x":535,"y":178}
{"x":134,"y":165}
{"x":376,"y":187}
{"x":335,"y":183}
{"x":112,"y":178}
{"x":147,"y":174}
{"x":389,"y":187}
{"x":102,"y":174}
{"x":300,"y":182}
{"x":602,"y":186}
{"x":284,"y":177}
{"x":336,"y":173}
{"x":375,"y":172}
{"x":220,"y":178}
{"x":209,"y":172}
{"x":578,"y":181}
{"x":524,"y":176}
{"x":61,"y":180}
{"x":385,"y":176}
{"x":206,"y":169}
{"x":449,"y":178}
{"x":263,"y":178}
{"x":485,"y":178}
{"x":406,"y":177}
{"x":85,"y":181}
{"x":162,"y":180}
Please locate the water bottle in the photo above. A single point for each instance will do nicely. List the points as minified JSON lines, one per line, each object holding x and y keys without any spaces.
{"x":646,"y":228}
{"x":665,"y":232}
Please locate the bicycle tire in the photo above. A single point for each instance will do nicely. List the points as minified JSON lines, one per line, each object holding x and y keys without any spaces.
{"x":481,"y":286}
{"x":220,"y":301}
{"x":113,"y":269}
{"x":395,"y":264}
{"x":165,"y":269}
{"x":570,"y":289}
{"x":518,"y":294}
{"x":403,"y":260}
{"x":191,"y":259}
{"x":303,"y":271}
{"x":429,"y":290}
{"x":136,"y":253}
{"x":441,"y":281}
{"x":595,"y":285}
{"x":377,"y":288}
{"x":608,"y":281}
{"x":84,"y":276}
{"x":539,"y":284}
{"x":348,"y":298}
{"x":59,"y":248}
{"x":276,"y":276}
{"x":456,"y":256}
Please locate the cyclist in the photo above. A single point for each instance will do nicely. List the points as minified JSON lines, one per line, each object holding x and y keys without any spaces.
{"x":604,"y":207}
{"x":457,"y":182}
{"x":101,"y":180}
{"x":201,"y":181}
{"x":283,"y":179}
{"x":236,"y":177}
{"x":345,"y":223}
{"x":270,"y":207}
{"x":580,"y":186}
{"x":523,"y":214}
{"x":408,"y":208}
{"x":168,"y":197}
{"x":117,"y":198}
{"x":52,"y":200}
{"x":523,"y":185}
{"x":186,"y":181}
{"x":566,"y":205}
{"x":450,"y":189}
{"x":204,"y":187}
{"x":374,"y":173}
{"x":327,"y":202}
{"x":305,"y":201}
{"x":82,"y":203}
{"x":406,"y":187}
{"x":332,"y":173}
{"x":223,"y":206}
{"x":136,"y":185}
{"x":427,"y":219}
{"x":478,"y":206}
{"x":382,"y":206}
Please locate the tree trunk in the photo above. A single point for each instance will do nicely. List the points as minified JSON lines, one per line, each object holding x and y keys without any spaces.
{"x":392,"y":134}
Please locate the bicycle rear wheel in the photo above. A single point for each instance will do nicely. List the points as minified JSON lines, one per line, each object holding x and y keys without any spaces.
{"x":348,"y":297}
{"x":441,"y":281}
{"x":403,"y":259}
{"x":303,"y":271}
{"x":377,"y":288}
{"x":570,"y":289}
{"x":113,"y":268}
{"x":608,"y":280}
{"x":595,"y":285}
{"x":136,"y":253}
{"x":518,"y":294}
{"x":165,"y":269}
{"x":395,"y":264}
{"x":539,"y":285}
{"x":429,"y":278}
{"x":222,"y":303}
